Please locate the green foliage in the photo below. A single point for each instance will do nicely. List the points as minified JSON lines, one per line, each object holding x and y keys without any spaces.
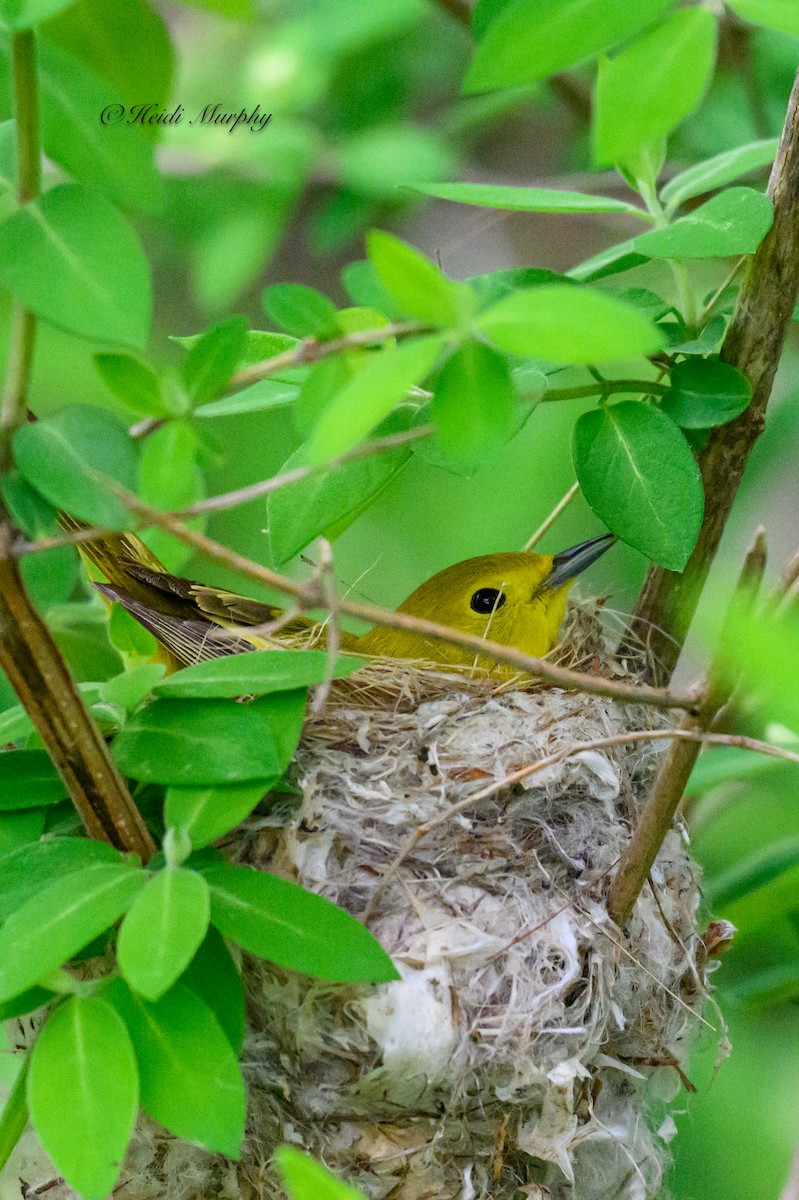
{"x":70,"y":458}
{"x":196,"y":742}
{"x":255,"y":674}
{"x":60,"y":919}
{"x":717,"y":171}
{"x":189,"y":1078}
{"x":637,"y":472}
{"x":28,"y":779}
{"x":415,"y":284}
{"x":522,"y":199}
{"x":84,"y":1052}
{"x":214,"y":976}
{"x":301,"y":310}
{"x":774,"y":14}
{"x":294,"y":928}
{"x":474,"y":403}
{"x":705,"y":392}
{"x":306,"y":1180}
{"x":163,"y":930}
{"x":734,"y":222}
{"x":368,"y":398}
{"x":530,"y":39}
{"x":203,"y":814}
{"x":569,"y":325}
{"x":71,"y":258}
{"x":133,"y":383}
{"x":652,"y":85}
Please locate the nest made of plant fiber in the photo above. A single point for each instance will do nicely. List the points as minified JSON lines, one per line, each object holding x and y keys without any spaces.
{"x":530,"y":1048}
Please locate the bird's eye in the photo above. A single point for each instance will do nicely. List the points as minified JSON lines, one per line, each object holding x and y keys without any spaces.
{"x":487,"y":600}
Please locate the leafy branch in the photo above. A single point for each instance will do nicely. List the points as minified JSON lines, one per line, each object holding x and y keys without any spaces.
{"x":753,"y":345}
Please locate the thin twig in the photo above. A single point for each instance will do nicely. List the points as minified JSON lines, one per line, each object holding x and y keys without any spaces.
{"x":310,"y":351}
{"x":328,"y":584}
{"x":547,"y":524}
{"x":669,"y":786}
{"x":753,"y":345}
{"x":243,"y":495}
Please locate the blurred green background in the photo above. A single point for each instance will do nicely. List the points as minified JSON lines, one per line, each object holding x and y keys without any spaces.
{"x":365,"y":97}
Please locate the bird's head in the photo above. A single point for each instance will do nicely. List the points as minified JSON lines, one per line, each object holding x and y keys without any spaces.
{"x":516,"y":598}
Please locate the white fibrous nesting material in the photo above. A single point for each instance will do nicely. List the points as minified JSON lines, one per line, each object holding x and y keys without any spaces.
{"x":530,"y":1048}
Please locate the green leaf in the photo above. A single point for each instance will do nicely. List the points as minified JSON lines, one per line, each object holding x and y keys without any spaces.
{"x":262,"y":396}
{"x":115,"y":159}
{"x":70,"y":458}
{"x":364,"y":288}
{"x":128,"y":636}
{"x":416,"y":284}
{"x":130,"y":688}
{"x":758,"y":889}
{"x":205,"y":813}
{"x":474,"y":404}
{"x":374,"y":162}
{"x":125,"y":42}
{"x":134,"y":384}
{"x":213,"y":359}
{"x":707,"y":341}
{"x":726,"y":764}
{"x":734,"y":222}
{"x":83,"y":1093}
{"x":531,"y":39}
{"x":60,"y":919}
{"x":28,"y":508}
{"x":202,"y":742}
{"x":214,"y":976}
{"x":781,"y":15}
{"x":73,"y":259}
{"x":527,"y":199}
{"x":704,"y":392}
{"x":569,"y":325}
{"x":28,"y":869}
{"x":652,"y":85}
{"x":24,"y":14}
{"x":296,"y":929}
{"x":190,"y":1080}
{"x":255,"y":673}
{"x":26,"y":1002}
{"x":28,"y":779}
{"x":639,"y":476}
{"x":162,"y":930}
{"x":495,"y":285}
{"x":717,"y":171}
{"x":301,"y":310}
{"x":14,"y":1117}
{"x":327,"y":502}
{"x":613,"y":261}
{"x":21,"y":828}
{"x":370,"y":396}
{"x":305,"y":1179}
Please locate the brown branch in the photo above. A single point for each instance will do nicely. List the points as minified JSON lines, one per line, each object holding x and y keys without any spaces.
{"x":39,"y":676}
{"x":310,"y":595}
{"x":28,"y":654}
{"x":753,"y":344}
{"x":669,"y":785}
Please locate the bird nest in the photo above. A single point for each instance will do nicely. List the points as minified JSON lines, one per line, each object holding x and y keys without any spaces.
{"x":530,"y":1048}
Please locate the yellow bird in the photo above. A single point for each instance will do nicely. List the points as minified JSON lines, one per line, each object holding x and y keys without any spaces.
{"x":515,"y":598}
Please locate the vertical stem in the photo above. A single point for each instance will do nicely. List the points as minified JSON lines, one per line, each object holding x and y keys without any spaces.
{"x":23,"y":323}
{"x":28,"y":654}
{"x":753,"y":344}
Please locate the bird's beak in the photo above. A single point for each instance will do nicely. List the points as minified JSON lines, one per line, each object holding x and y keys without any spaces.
{"x":571,"y":562}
